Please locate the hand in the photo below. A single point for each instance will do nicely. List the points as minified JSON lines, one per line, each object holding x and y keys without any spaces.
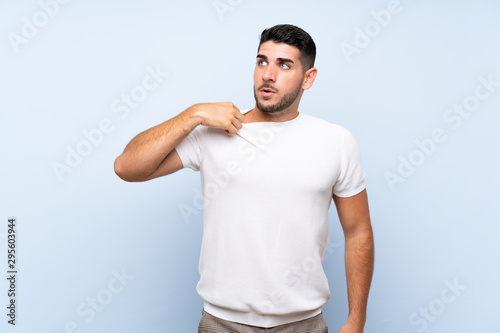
{"x":220,"y":115}
{"x":350,"y":328}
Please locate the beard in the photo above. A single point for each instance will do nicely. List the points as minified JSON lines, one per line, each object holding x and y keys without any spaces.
{"x":285,"y":102}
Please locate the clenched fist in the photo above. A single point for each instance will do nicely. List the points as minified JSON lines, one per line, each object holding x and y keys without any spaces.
{"x":220,"y":115}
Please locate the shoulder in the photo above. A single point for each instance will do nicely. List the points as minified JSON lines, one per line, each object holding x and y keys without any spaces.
{"x":321,"y":125}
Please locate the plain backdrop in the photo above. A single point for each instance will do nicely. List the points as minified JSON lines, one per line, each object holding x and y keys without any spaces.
{"x":417,"y":83}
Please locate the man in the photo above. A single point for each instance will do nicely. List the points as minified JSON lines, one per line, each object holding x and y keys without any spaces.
{"x":268,"y":179}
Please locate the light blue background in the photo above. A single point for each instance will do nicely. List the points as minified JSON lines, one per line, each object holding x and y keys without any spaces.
{"x":439,"y":226}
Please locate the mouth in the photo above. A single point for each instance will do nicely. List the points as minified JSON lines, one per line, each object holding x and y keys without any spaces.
{"x":267,"y":92}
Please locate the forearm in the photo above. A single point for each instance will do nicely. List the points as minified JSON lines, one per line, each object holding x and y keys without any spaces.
{"x":142,"y":156}
{"x":359,"y":260}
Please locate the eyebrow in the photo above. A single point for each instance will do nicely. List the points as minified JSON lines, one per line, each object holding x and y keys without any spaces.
{"x":261,"y":56}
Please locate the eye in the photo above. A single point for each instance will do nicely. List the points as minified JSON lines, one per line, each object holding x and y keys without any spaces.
{"x":261,"y":62}
{"x":284,"y":65}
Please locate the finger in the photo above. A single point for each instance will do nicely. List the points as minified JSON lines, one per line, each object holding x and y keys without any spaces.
{"x":232,"y":130}
{"x":236,"y":123}
{"x":239,"y":116}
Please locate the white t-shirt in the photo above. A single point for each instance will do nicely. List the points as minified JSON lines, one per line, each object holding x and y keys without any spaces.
{"x":267,"y":191}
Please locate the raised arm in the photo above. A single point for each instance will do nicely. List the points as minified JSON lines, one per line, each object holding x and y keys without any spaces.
{"x":359,"y":256}
{"x":151,"y":154}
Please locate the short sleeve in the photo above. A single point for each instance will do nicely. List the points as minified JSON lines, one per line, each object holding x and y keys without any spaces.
{"x":191,"y":148}
{"x":351,"y":180}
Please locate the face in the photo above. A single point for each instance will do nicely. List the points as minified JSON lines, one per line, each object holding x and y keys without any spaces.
{"x":278,"y":77}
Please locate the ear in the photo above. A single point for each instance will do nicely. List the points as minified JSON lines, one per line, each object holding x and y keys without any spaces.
{"x":309,"y":77}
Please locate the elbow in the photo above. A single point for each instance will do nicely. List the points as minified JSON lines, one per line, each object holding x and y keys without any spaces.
{"x":120,"y":169}
{"x":361,"y":233}
{"x":122,"y":172}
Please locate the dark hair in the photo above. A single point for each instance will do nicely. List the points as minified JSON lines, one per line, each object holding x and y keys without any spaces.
{"x":294,"y":36}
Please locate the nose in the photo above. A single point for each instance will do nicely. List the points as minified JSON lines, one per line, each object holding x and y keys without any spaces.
{"x":269,"y":74}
